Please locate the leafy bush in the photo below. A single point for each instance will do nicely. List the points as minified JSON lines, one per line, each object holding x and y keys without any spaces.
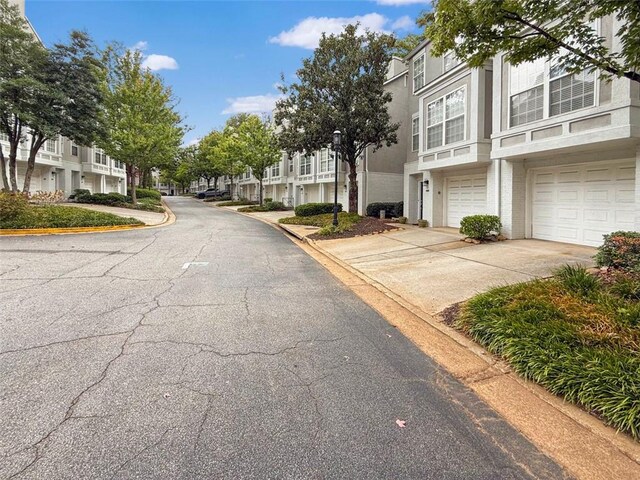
{"x":266,"y":207}
{"x":584,"y":348}
{"x":226,"y":198}
{"x":79,"y":192}
{"x":237,"y":203}
{"x":310,"y":209}
{"x":480,"y":226}
{"x":626,"y":285}
{"x":55,"y":216}
{"x":325,"y":222}
{"x":577,"y":280}
{"x":146,"y":193}
{"x":402,"y":220}
{"x":267,"y":199}
{"x":620,"y":250}
{"x":423,"y":223}
{"x":12,"y":205}
{"x":110,"y":199}
{"x":392,"y":209}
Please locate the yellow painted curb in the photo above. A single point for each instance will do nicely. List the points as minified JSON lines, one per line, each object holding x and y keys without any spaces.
{"x":63,"y":231}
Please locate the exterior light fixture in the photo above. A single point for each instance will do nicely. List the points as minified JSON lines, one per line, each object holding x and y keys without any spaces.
{"x":337,"y":139}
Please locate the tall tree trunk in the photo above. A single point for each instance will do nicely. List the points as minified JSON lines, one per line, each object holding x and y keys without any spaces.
{"x":215,"y":183}
{"x":353,"y":187}
{"x":3,"y":171}
{"x":13,"y":173}
{"x":208,"y":182}
{"x":231,"y":187}
{"x":260,"y":194}
{"x":131,"y":172}
{"x":36,"y":143}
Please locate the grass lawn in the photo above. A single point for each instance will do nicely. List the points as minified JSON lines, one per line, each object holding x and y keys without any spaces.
{"x":325,"y":222}
{"x":55,"y":216}
{"x":236,"y":203}
{"x":577,"y":334}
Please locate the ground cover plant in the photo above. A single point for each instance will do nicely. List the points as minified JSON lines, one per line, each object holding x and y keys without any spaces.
{"x":150,"y":202}
{"x":57,"y":216}
{"x":265,"y":207}
{"x":311,"y":209}
{"x":349,"y":225}
{"x":577,"y":334}
{"x":237,"y":203}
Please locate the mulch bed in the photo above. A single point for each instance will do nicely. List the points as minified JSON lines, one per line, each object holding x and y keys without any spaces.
{"x":366,"y":226}
{"x":450,"y":314}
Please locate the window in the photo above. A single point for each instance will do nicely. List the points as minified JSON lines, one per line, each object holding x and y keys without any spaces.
{"x":100,"y":157}
{"x":526,"y":92}
{"x":445,"y":119}
{"x":74,"y":150}
{"x":305,"y":165}
{"x":291,"y":165}
{"x":4,"y":137}
{"x":418,"y":73}
{"x":50,"y":146}
{"x":569,"y":92}
{"x":326,"y":165}
{"x":275,"y":170}
{"x":415,"y":134}
{"x":450,"y":61}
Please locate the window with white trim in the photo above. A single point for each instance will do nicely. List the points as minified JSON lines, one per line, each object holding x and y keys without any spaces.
{"x":526,"y":92}
{"x":570,"y":91}
{"x":418,"y":73}
{"x":305,"y":165}
{"x":275,"y":169}
{"x":450,"y":61}
{"x":326,"y":165}
{"x":4,"y":137}
{"x":99,"y":157}
{"x":74,"y":150}
{"x":415,"y":134}
{"x":50,"y":146}
{"x":445,"y":119}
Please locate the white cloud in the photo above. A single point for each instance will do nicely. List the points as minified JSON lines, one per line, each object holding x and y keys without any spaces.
{"x":192,"y":142}
{"x":156,"y":62}
{"x":252,"y":104}
{"x":404,"y":23}
{"x":307,"y":33}
{"x":141,"y":45}
{"x":398,"y":3}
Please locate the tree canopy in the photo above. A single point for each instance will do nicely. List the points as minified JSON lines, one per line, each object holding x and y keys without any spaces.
{"x":526,"y":30}
{"x":144,"y":129}
{"x":45,"y":93}
{"x":340,"y":87}
{"x":209,"y":163}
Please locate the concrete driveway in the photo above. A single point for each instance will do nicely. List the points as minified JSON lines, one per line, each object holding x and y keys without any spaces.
{"x":432,"y":268}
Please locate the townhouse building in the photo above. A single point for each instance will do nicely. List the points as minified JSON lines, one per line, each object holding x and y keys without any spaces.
{"x":63,"y":165}
{"x":555,"y":155}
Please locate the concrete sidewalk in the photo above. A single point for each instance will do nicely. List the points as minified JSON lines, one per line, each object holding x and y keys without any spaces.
{"x":148,"y":218}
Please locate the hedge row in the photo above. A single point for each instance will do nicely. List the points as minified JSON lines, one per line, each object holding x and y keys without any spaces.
{"x":311,"y":209}
{"x":391,"y":209}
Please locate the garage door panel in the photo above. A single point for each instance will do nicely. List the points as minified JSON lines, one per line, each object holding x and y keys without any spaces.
{"x":465,"y":196}
{"x":582,"y":203}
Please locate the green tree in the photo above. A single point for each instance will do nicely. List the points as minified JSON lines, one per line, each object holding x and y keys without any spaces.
{"x":476,"y":30}
{"x":45,"y":93}
{"x":209,"y":164}
{"x":340,"y":87}
{"x":181,"y":170}
{"x":258,"y":147}
{"x":144,"y":129}
{"x":228,"y":149}
{"x":402,"y":46}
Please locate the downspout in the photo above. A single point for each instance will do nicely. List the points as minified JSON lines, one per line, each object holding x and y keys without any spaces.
{"x":499,"y":184}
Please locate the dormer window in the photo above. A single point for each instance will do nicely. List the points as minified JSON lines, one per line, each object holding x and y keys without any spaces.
{"x":450,"y":61}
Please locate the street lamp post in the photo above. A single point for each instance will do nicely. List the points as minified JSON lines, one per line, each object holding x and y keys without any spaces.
{"x":336,"y":147}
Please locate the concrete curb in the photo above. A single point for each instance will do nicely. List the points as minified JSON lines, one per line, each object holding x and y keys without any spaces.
{"x":580,"y":442}
{"x":169,"y":219}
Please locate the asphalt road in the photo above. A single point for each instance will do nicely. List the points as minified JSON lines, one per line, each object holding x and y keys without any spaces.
{"x":118,"y":359}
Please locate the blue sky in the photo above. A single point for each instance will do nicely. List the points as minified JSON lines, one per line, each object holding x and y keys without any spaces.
{"x":220,"y":57}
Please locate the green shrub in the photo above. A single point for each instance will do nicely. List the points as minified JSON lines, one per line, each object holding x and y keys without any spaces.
{"x":577,"y":280}
{"x":582,"y":348}
{"x":226,"y":198}
{"x":146,"y":193}
{"x":12,"y":205}
{"x":55,"y":216}
{"x":423,"y":223}
{"x":392,"y":209}
{"x":237,"y":203}
{"x":626,"y":285}
{"x":111,"y":199}
{"x":480,"y":226}
{"x":267,"y":207}
{"x":402,"y":220}
{"x":311,"y":209}
{"x":267,"y":199}
{"x":620,"y":250}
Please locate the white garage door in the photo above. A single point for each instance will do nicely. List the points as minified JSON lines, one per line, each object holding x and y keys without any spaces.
{"x":466,"y":195}
{"x":579,"y":204}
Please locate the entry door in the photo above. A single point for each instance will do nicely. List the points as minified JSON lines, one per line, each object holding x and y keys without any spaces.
{"x":466,"y":195}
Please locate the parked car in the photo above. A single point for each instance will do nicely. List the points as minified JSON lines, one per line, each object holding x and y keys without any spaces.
{"x":216,"y":193}
{"x":202,"y":194}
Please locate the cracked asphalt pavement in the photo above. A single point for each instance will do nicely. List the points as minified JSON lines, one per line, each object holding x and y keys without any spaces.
{"x":118,"y":360}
